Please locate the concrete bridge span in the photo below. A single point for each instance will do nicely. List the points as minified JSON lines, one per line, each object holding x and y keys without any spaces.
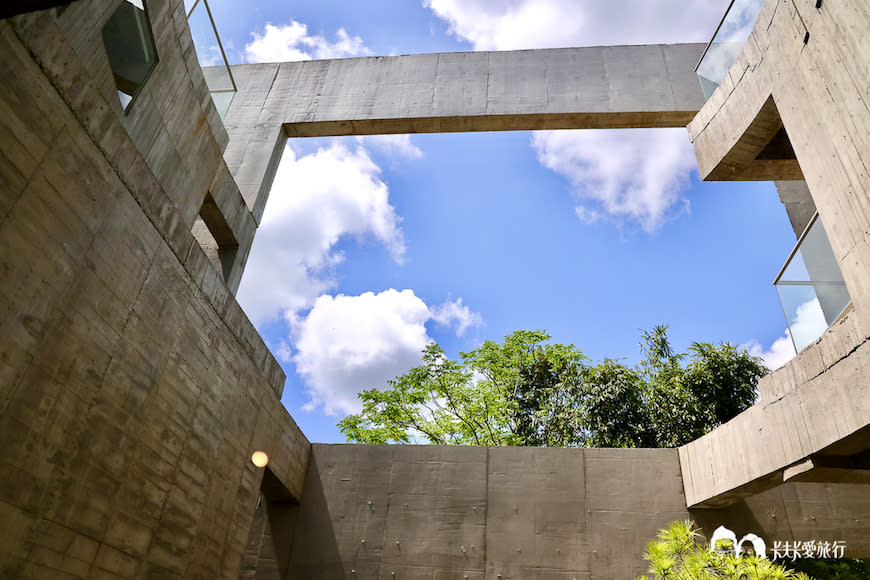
{"x":566,"y":88}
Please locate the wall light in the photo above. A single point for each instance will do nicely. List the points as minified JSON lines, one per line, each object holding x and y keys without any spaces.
{"x":259,"y":458}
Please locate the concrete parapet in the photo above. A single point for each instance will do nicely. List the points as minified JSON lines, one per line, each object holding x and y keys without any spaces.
{"x":370,"y":511}
{"x":816,"y":401}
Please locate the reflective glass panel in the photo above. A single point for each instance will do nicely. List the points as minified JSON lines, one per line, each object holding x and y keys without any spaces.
{"x":130,"y":48}
{"x":222,"y":101}
{"x":215,"y":69}
{"x":811,"y":288}
{"x":727,"y":43}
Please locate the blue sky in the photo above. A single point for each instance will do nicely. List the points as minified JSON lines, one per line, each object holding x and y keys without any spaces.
{"x":372,"y":247}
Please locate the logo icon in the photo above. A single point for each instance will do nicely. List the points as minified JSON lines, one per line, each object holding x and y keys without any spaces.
{"x":748,"y":544}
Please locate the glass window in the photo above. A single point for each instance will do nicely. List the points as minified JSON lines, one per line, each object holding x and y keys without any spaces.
{"x":130,"y":48}
{"x":727,"y":43}
{"x":811,"y":287}
{"x":210,"y":53}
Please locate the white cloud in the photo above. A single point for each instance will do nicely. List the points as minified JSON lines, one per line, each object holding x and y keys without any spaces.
{"x":315,"y":200}
{"x":808,"y":324}
{"x":399,"y":146}
{"x":779,"y":353}
{"x":586,"y":215}
{"x":630,"y":173}
{"x":340,"y":344}
{"x":350,"y":343}
{"x":455,"y":312}
{"x":625,"y":172}
{"x":520,"y":24}
{"x":291,"y":42}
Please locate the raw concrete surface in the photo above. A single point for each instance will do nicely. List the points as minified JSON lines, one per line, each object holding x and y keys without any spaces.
{"x":803,"y":73}
{"x":133,"y":388}
{"x":380,"y":511}
{"x":795,"y":196}
{"x":799,"y":512}
{"x":565,"y":88}
{"x":796,"y":418}
{"x":399,"y":512}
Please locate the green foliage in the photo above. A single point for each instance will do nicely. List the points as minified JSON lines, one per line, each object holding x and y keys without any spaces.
{"x":681,"y":403}
{"x":831,"y":568}
{"x":526,"y":391}
{"x":547,"y":395}
{"x":679,"y":553}
{"x":615,"y":407}
{"x":438,"y":401}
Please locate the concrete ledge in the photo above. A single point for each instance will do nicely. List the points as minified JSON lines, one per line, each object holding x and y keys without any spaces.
{"x":474,"y":123}
{"x":794,"y":421}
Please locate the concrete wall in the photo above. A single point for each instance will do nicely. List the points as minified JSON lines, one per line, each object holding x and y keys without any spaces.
{"x":473,"y":512}
{"x":799,"y":511}
{"x":795,"y":196}
{"x":804,"y":69}
{"x":133,"y":389}
{"x":375,"y":511}
{"x":172,"y":120}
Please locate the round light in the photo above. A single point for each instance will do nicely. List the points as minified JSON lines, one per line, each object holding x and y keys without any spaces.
{"x":259,"y":458}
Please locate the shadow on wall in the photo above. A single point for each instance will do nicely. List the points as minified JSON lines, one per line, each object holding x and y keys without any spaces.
{"x":270,"y":543}
{"x":312,"y":551}
{"x":798,"y":512}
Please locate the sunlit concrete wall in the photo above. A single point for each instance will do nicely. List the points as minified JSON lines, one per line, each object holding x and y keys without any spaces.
{"x":133,"y":389}
{"x":805,"y":69}
{"x":379,"y":511}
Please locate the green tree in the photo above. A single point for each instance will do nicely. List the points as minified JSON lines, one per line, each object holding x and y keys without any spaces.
{"x":526,"y":391}
{"x":684,"y":402}
{"x":547,"y":395}
{"x":679,"y":553}
{"x":615,"y":407}
{"x":437,"y":401}
{"x":831,"y":568}
{"x":469,"y":402}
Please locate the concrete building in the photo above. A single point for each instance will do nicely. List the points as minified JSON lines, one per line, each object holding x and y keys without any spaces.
{"x":134,"y":390}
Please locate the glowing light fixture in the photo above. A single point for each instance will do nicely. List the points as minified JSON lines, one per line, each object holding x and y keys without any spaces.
{"x":259,"y":458}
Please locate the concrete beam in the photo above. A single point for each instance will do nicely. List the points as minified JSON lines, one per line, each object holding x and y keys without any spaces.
{"x":761,"y":153}
{"x":566,"y":88}
{"x":795,"y":422}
